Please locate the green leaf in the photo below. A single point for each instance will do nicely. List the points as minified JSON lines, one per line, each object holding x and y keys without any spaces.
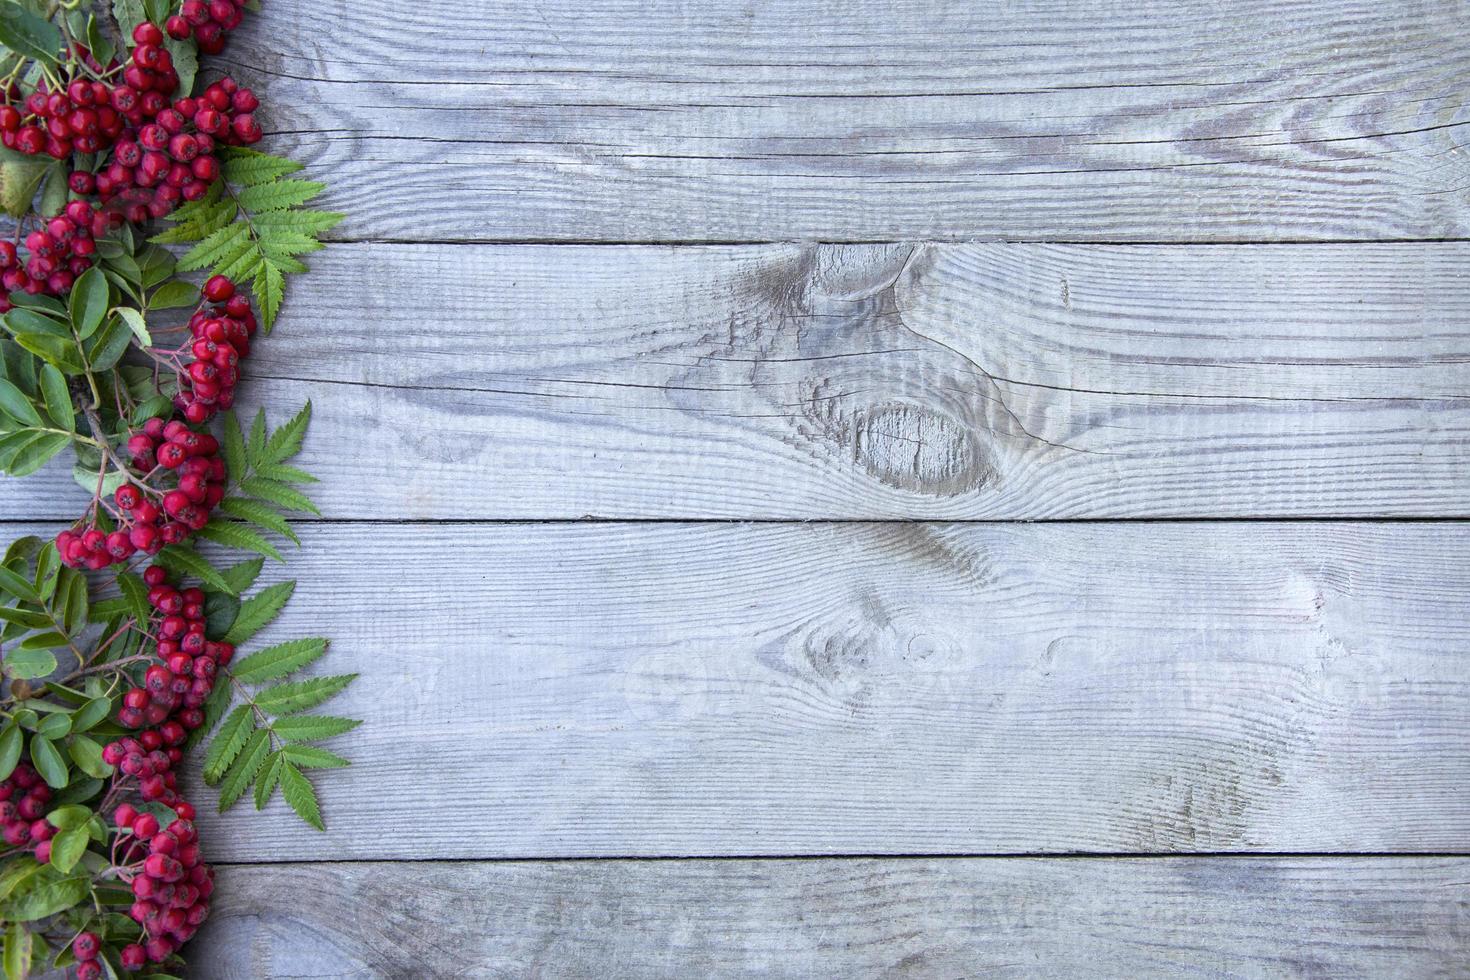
{"x":233,"y":444}
{"x":174,"y":293}
{"x":51,"y":895}
{"x":250,"y":167}
{"x":258,"y":610}
{"x":186,"y":61}
{"x":89,"y":300}
{"x":310,"y":757}
{"x":32,"y":36}
{"x":220,"y":611}
{"x":276,"y":662}
{"x":90,"y":714}
{"x":215,"y":246}
{"x":301,"y":796}
{"x":17,"y":406}
{"x":258,"y":513}
{"x":136,"y":323}
{"x":278,"y":494}
{"x":36,"y":453}
{"x":135,"y":590}
{"x":53,"y":350}
{"x":17,"y":586}
{"x":58,"y":398}
{"x":226,"y":745}
{"x":87,"y":754}
{"x":278,"y":195}
{"x":48,"y":762}
{"x":18,"y":952}
{"x":14,"y":872}
{"x":243,"y":772}
{"x":22,"y":320}
{"x":55,"y":191}
{"x":109,"y":344}
{"x":270,"y":289}
{"x":55,"y":725}
{"x":68,"y":847}
{"x":237,"y":536}
{"x":214,"y":709}
{"x":243,"y":576}
{"x":183,"y":561}
{"x":266,"y":784}
{"x":255,"y":444}
{"x":67,"y":817}
{"x":129,"y":14}
{"x":305,"y":222}
{"x":19,"y":177}
{"x":11,"y":743}
{"x":294,"y":696}
{"x":29,"y":664}
{"x":312,"y":728}
{"x":285,"y":442}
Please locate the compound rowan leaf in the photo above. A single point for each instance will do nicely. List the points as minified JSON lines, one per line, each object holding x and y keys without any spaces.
{"x":186,"y":562}
{"x":311,"y":757}
{"x":239,"y":537}
{"x":258,"y":513}
{"x":279,"y":494}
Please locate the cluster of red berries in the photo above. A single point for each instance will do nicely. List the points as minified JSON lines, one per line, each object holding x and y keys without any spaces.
{"x":171,"y":158}
{"x":207,"y":23}
{"x":78,"y":118}
{"x":221,"y":337}
{"x":171,"y":885}
{"x":59,"y":251}
{"x":151,"y":517}
{"x":23,"y":799}
{"x":175,"y":689}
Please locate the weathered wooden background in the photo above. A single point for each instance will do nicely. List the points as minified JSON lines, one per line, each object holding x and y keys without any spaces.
{"x":879,"y":487}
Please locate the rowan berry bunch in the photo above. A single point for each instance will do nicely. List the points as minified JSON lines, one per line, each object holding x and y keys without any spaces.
{"x":107,"y":680}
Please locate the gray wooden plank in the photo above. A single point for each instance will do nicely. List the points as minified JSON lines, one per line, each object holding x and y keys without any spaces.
{"x":864,"y":381}
{"x":779,"y":689}
{"x":1175,"y":120}
{"x":1215,"y":918}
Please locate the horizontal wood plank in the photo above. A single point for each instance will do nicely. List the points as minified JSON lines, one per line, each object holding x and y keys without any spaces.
{"x":1219,"y":918}
{"x":777,"y":689}
{"x":864,"y":381}
{"x":873,"y":119}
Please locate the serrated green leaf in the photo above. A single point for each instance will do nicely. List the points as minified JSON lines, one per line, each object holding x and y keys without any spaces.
{"x":277,"y":195}
{"x":241,"y":268}
{"x":305,"y":222}
{"x":232,"y":736}
{"x":301,"y":796}
{"x":220,"y":611}
{"x":258,"y":513}
{"x":279,"y":494}
{"x":135,"y":591}
{"x":278,"y":473}
{"x":243,"y":576}
{"x":185,"y":562}
{"x":250,"y":167}
{"x":259,"y":610}
{"x":276,"y":662}
{"x":240,"y":775}
{"x":312,"y":728}
{"x":216,"y":244}
{"x":129,"y":14}
{"x":58,"y":398}
{"x":311,"y":757}
{"x":266,"y":784}
{"x":269,"y":288}
{"x":237,"y":536}
{"x":233,"y":444}
{"x":185,"y":55}
{"x":285,"y":442}
{"x":294,"y":696}
{"x":255,"y":443}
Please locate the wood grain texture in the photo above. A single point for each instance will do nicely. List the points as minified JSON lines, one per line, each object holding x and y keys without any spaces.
{"x":689,"y":690}
{"x":866,"y":381}
{"x":1221,"y":918}
{"x":1032,"y":120}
